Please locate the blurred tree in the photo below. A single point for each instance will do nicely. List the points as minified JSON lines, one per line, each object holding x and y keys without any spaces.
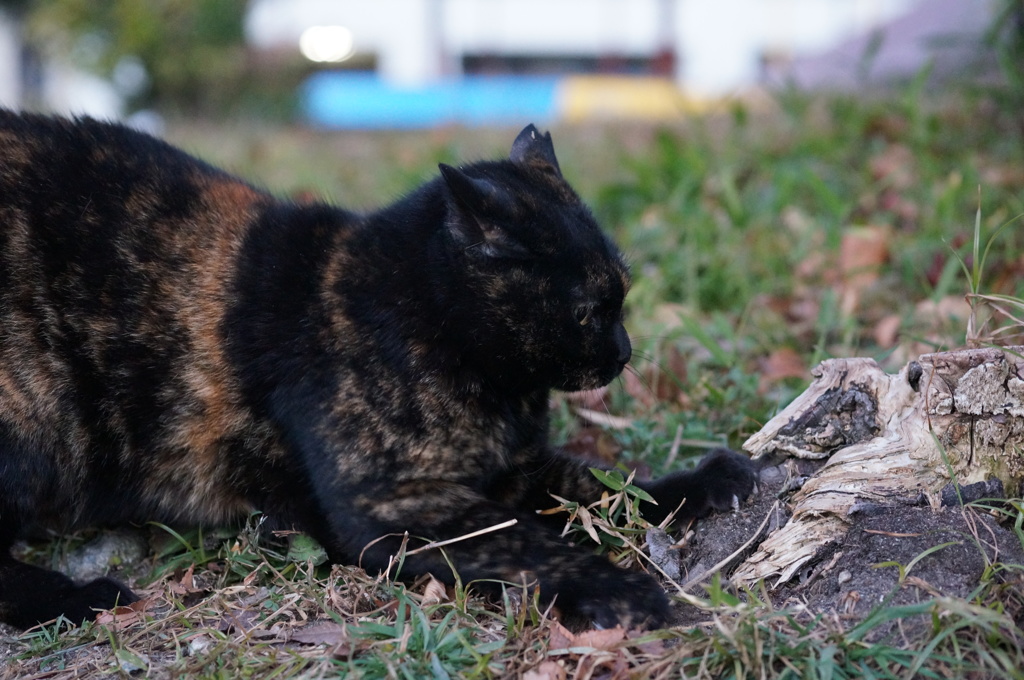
{"x":192,"y":51}
{"x":1007,"y":37}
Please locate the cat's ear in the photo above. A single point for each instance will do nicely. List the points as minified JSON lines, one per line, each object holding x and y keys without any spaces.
{"x":533,"y":148}
{"x":477,"y":203}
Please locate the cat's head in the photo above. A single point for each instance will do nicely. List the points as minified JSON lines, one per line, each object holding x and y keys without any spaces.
{"x":541,"y":286}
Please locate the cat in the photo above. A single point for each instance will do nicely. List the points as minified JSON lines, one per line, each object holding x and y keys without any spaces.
{"x":177,"y":345}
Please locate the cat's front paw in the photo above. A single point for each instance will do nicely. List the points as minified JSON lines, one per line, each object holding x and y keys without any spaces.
{"x":102,"y":593}
{"x":720,"y":482}
{"x":727,"y":478}
{"x":614,"y":598}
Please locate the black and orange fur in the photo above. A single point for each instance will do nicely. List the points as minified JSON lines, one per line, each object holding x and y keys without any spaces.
{"x":176,"y":345}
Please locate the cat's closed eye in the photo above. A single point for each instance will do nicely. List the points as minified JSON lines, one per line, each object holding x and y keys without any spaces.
{"x":584,"y":313}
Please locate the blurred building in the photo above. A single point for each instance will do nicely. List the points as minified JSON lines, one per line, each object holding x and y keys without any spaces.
{"x":428,"y":61}
{"x":706,"y":46}
{"x":423,"y":62}
{"x":27,"y":80}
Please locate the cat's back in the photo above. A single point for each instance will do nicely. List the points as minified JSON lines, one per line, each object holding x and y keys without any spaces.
{"x":101,"y":225}
{"x":85,"y":175}
{"x":117,"y":256}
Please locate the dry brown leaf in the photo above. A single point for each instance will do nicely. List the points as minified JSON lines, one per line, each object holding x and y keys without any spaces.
{"x":651,"y":647}
{"x":952,"y":309}
{"x":638,"y":388}
{"x":894,"y":167}
{"x":240,"y":621}
{"x":435,"y":591}
{"x":547,"y":670}
{"x":812,"y":268}
{"x":560,"y":637}
{"x":186,"y":584}
{"x":662,"y":379}
{"x":120,"y":618}
{"x":595,"y":444}
{"x":862,"y":252}
{"x":887,"y":330}
{"x":588,"y":523}
{"x":783,"y":363}
{"x":606,"y":639}
{"x":670,"y":314}
{"x":1003,"y":176}
{"x":323,"y":633}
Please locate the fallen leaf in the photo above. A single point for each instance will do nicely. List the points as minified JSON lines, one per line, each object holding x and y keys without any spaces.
{"x":894,"y":167}
{"x":594,"y":444}
{"x":606,"y":639}
{"x":325,"y":633}
{"x":638,"y":388}
{"x":588,"y":523}
{"x":561,"y":637}
{"x":862,"y":252}
{"x":1002,"y":176}
{"x":784,"y":362}
{"x":120,"y":618}
{"x":670,"y":315}
{"x":887,"y":330}
{"x":435,"y":591}
{"x":547,"y":670}
{"x":186,"y":585}
{"x":241,"y":621}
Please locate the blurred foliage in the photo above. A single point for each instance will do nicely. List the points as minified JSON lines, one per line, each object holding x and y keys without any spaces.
{"x":193,"y":51}
{"x":1007,"y":38}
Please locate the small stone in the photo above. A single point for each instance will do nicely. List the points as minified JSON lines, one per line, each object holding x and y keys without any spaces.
{"x":108,"y":550}
{"x":660,"y":545}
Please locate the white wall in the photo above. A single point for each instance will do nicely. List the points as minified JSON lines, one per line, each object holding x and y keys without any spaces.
{"x":719,"y":43}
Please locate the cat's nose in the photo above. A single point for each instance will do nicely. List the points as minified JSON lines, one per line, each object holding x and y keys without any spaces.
{"x":623,"y":345}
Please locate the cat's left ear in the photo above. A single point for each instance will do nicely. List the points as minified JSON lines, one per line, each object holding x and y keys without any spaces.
{"x":478,"y":202}
{"x":533,"y":148}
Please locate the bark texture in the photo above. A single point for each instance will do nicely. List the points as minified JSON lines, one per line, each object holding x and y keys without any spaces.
{"x":890,"y":440}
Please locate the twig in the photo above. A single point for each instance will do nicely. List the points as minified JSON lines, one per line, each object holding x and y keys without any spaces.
{"x":604,"y":419}
{"x":473,"y":534}
{"x":738,"y":553}
{"x":673,"y":452}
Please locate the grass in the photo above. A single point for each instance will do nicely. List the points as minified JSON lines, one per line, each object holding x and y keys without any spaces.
{"x":738,"y":226}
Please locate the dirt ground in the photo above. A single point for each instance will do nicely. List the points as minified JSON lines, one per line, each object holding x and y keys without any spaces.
{"x":846,"y":580}
{"x":847,"y":577}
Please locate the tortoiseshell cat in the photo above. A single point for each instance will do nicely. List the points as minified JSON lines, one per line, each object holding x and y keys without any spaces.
{"x":176,"y":345}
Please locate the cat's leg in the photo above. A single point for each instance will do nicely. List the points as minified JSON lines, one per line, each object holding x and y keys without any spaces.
{"x":722,"y":479}
{"x":30,"y":595}
{"x":586,"y":588}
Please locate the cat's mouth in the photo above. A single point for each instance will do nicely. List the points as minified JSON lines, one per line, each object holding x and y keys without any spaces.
{"x":591,"y":380}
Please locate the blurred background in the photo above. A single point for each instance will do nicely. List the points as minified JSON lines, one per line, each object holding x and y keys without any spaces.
{"x":790,"y":179}
{"x":424,"y":63}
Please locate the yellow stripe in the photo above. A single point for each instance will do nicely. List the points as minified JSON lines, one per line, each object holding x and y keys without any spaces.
{"x":603,"y":97}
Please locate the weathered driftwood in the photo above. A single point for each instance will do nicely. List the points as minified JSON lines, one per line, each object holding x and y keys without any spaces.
{"x":890,"y":439}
